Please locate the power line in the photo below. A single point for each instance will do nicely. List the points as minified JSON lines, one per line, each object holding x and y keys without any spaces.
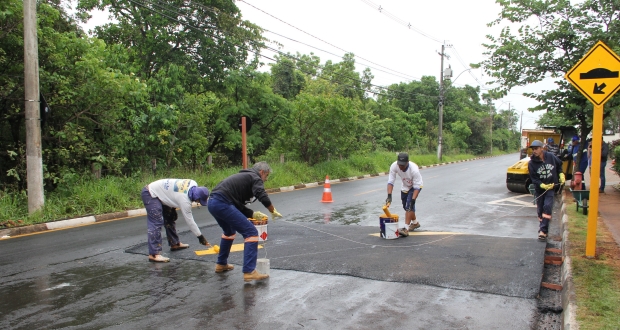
{"x":404,"y":77}
{"x":142,"y":3}
{"x":315,"y":37}
{"x":399,"y":21}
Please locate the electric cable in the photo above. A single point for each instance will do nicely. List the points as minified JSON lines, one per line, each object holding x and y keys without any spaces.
{"x":315,"y":37}
{"x":400,"y":21}
{"x":142,"y":3}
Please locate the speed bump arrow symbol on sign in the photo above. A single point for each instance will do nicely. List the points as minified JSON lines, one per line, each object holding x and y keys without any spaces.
{"x":599,"y":89}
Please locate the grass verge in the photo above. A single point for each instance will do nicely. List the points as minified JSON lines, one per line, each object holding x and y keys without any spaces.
{"x":596,"y":280}
{"x":88,"y":196}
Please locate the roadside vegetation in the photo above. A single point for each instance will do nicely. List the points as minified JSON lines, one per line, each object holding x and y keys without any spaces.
{"x":596,"y":280}
{"x":90,"y":196}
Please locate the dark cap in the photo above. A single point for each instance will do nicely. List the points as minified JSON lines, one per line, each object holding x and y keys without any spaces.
{"x":550,"y":140}
{"x":575,"y":138}
{"x":200,"y":194}
{"x":403,"y":159}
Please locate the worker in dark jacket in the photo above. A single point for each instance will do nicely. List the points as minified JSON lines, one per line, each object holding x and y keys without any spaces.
{"x":227,"y":205}
{"x":545,"y":172}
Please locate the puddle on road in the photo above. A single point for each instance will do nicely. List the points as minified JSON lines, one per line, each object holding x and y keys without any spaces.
{"x":362,"y":214}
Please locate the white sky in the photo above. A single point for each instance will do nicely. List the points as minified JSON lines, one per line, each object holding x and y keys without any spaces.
{"x":382,"y":40}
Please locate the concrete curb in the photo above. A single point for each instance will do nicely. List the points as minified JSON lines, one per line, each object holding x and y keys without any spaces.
{"x":569,"y":307}
{"x":59,"y":224}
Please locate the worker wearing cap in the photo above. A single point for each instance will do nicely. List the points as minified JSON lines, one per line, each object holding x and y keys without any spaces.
{"x":410,"y":189}
{"x":574,"y":151}
{"x":228,"y":207}
{"x":552,"y":147}
{"x":161,"y":199}
{"x":545,"y":172}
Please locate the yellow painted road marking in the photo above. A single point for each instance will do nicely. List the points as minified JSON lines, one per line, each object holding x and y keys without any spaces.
{"x":234,"y":248}
{"x":427,"y":233}
{"x":368,"y":192}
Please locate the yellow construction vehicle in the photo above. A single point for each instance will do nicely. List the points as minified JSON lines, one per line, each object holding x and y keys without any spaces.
{"x":518,"y":176}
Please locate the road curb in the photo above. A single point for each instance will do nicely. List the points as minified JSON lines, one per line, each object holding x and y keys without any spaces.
{"x":66,"y":223}
{"x":569,"y":307}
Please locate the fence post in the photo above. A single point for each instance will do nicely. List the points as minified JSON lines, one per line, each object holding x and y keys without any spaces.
{"x":95,"y":169}
{"x":154,"y":166}
{"x":209,"y":160}
{"x":281,"y":158}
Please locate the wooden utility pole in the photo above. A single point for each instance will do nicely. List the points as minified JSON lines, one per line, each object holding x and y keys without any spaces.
{"x":34,"y":160}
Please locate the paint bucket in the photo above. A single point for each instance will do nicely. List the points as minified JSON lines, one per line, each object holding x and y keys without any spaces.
{"x":388,"y":226}
{"x":262,"y":265}
{"x":261,"y":227}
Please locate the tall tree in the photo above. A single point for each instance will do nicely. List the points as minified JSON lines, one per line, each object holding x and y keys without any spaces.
{"x":206,"y":37}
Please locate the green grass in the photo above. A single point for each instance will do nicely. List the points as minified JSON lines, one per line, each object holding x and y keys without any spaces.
{"x":596,"y":280}
{"x":88,"y":196}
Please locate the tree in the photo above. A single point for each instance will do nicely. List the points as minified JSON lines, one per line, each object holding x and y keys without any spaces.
{"x":287,"y":80}
{"x":208,"y":38}
{"x":552,"y":36}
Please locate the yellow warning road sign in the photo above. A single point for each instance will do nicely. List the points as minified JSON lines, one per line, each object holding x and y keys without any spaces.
{"x":597,"y":74}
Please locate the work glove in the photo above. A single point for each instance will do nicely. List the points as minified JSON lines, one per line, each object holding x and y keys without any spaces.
{"x":202,"y":240}
{"x":562,"y":179}
{"x":388,"y":200}
{"x":258,"y":215}
{"x":412,"y":205}
{"x":546,"y":186}
{"x":275,"y":214}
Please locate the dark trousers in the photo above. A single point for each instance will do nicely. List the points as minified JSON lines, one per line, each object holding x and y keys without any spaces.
{"x":232,"y":221}
{"x":544,"y":208}
{"x":158,"y":214}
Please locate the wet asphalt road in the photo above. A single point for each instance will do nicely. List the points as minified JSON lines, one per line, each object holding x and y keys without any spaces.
{"x":474,"y":264}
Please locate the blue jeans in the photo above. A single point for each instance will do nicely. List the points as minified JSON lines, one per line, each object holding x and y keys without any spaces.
{"x":158,"y":214}
{"x":231,"y":220}
{"x":603,"y":165}
{"x":544,"y":208}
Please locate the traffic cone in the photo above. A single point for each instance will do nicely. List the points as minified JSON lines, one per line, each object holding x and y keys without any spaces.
{"x":327,"y":191}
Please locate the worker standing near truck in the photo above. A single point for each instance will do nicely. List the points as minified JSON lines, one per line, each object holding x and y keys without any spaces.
{"x":545,"y":173}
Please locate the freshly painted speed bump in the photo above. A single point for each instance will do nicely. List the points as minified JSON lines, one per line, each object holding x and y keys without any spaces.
{"x":234,"y":248}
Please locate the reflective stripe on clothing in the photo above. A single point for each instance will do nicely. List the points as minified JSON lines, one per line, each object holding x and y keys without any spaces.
{"x":251,"y":239}
{"x":231,"y":237}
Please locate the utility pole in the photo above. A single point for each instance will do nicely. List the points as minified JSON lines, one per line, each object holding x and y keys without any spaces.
{"x":441,"y":94}
{"x":491,"y":113}
{"x":521,"y":124}
{"x":34,"y":160}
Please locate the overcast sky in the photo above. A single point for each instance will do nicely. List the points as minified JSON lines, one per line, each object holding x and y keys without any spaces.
{"x":399,"y":43}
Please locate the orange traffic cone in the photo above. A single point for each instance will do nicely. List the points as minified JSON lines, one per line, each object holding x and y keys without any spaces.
{"x":327,"y":191}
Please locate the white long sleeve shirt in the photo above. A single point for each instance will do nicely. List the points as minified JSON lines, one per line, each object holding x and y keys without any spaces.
{"x":411,"y":177}
{"x":174,"y":193}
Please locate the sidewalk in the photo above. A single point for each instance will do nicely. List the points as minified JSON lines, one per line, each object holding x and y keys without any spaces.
{"x":609,"y":202}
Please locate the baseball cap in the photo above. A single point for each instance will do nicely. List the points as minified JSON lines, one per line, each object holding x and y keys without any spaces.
{"x":536,"y":143}
{"x":200,"y":194}
{"x":550,"y":140}
{"x":403,"y":159}
{"x":575,"y":138}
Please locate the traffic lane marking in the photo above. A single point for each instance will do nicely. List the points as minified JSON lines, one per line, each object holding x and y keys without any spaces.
{"x":426,"y":233}
{"x":233,"y":248}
